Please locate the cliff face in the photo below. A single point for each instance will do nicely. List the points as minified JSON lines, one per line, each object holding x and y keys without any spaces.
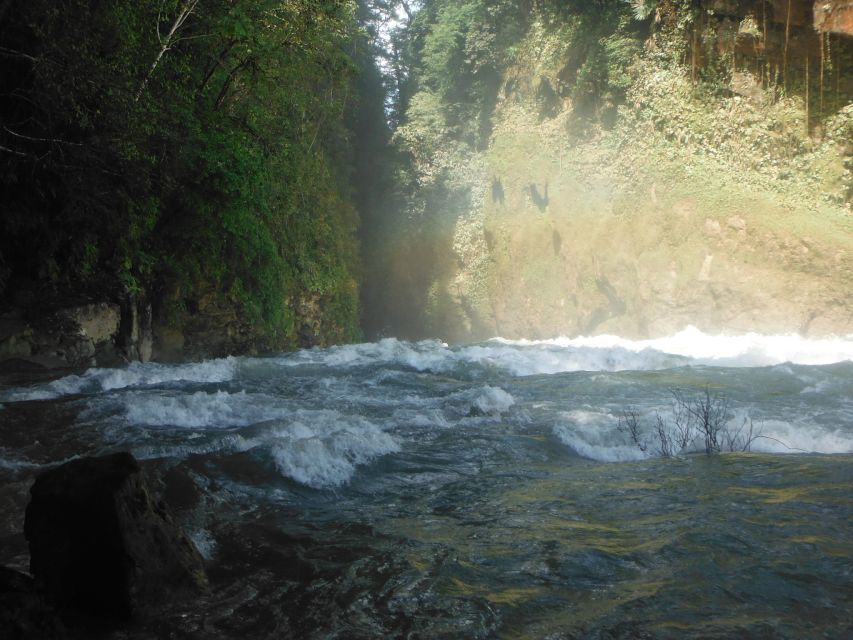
{"x":713,"y":189}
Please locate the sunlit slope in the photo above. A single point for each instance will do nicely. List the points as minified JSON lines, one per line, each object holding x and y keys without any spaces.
{"x":641,"y":237}
{"x":689,"y":205}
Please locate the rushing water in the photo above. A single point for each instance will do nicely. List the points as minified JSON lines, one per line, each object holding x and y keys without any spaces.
{"x":418,"y":490}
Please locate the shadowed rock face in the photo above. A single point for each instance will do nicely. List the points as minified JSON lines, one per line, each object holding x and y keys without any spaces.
{"x":99,"y":545}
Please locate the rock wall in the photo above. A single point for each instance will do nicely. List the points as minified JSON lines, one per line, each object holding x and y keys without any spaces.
{"x":82,"y":334}
{"x":74,"y":335}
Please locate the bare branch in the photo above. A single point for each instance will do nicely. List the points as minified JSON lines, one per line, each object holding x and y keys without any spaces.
{"x":18,"y":153}
{"x":216,"y":64}
{"x":50,"y":140}
{"x":196,"y":37}
{"x":664,"y":440}
{"x":223,"y":92}
{"x":629,"y":423}
{"x":782,"y":443}
{"x":706,"y":416}
{"x":11,"y":53}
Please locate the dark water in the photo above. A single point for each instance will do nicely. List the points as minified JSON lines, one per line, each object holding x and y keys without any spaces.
{"x":414,"y":490}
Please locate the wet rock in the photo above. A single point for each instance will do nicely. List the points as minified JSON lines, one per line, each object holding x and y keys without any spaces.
{"x":23,"y":613}
{"x":100,"y":547}
{"x":15,"y":337}
{"x":76,"y":335}
{"x":168,"y":343}
{"x":97,"y":321}
{"x":135,"y":337}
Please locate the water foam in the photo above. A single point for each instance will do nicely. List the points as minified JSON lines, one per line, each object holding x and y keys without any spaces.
{"x":322,"y":449}
{"x":133,"y":375}
{"x":203,"y":541}
{"x":779,"y":436}
{"x":746,"y":350}
{"x":219,"y":409}
{"x":595,"y":435}
{"x":426,"y":355}
{"x":493,"y":401}
{"x":586,"y":353}
{"x":13,"y":462}
{"x":549,"y":357}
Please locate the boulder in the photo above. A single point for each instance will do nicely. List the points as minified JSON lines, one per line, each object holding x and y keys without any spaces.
{"x":23,"y":613}
{"x":100,"y":547}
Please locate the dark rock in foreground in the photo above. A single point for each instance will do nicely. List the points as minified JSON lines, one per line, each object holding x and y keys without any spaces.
{"x":99,"y":545}
{"x":23,"y":613}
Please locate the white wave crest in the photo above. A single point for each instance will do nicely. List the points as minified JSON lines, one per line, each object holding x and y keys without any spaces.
{"x":194,"y":445}
{"x":427,"y":355}
{"x":746,"y":350}
{"x":15,"y":463}
{"x":547,"y":358}
{"x":596,"y":353}
{"x":321,"y":449}
{"x":595,"y":435}
{"x":133,"y":375}
{"x":779,"y":436}
{"x":493,"y":401}
{"x":202,"y":410}
{"x":424,"y":417}
{"x":317,"y":448}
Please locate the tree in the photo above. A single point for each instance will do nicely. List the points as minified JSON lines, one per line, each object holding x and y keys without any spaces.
{"x":183,"y":149}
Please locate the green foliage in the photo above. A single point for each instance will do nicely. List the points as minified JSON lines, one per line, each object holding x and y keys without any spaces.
{"x":460,"y":51}
{"x":457,"y":52}
{"x":216,"y":159}
{"x":643,"y":9}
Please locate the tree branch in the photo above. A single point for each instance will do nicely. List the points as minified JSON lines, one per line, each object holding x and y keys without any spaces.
{"x":186,"y":10}
{"x":11,"y":53}
{"x":18,"y":153}
{"x":50,"y":140}
{"x":227,"y":84}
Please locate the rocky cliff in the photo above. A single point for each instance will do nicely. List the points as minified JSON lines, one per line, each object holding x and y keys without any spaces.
{"x":705,"y":180}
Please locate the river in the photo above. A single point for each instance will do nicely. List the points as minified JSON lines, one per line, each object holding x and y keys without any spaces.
{"x":396,"y":489}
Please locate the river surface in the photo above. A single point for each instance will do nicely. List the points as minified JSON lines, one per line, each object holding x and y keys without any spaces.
{"x":419,"y":490}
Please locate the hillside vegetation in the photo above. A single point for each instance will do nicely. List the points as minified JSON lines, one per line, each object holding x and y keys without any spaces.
{"x":622,"y":167}
{"x":196,"y":156}
{"x":232,"y":177}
